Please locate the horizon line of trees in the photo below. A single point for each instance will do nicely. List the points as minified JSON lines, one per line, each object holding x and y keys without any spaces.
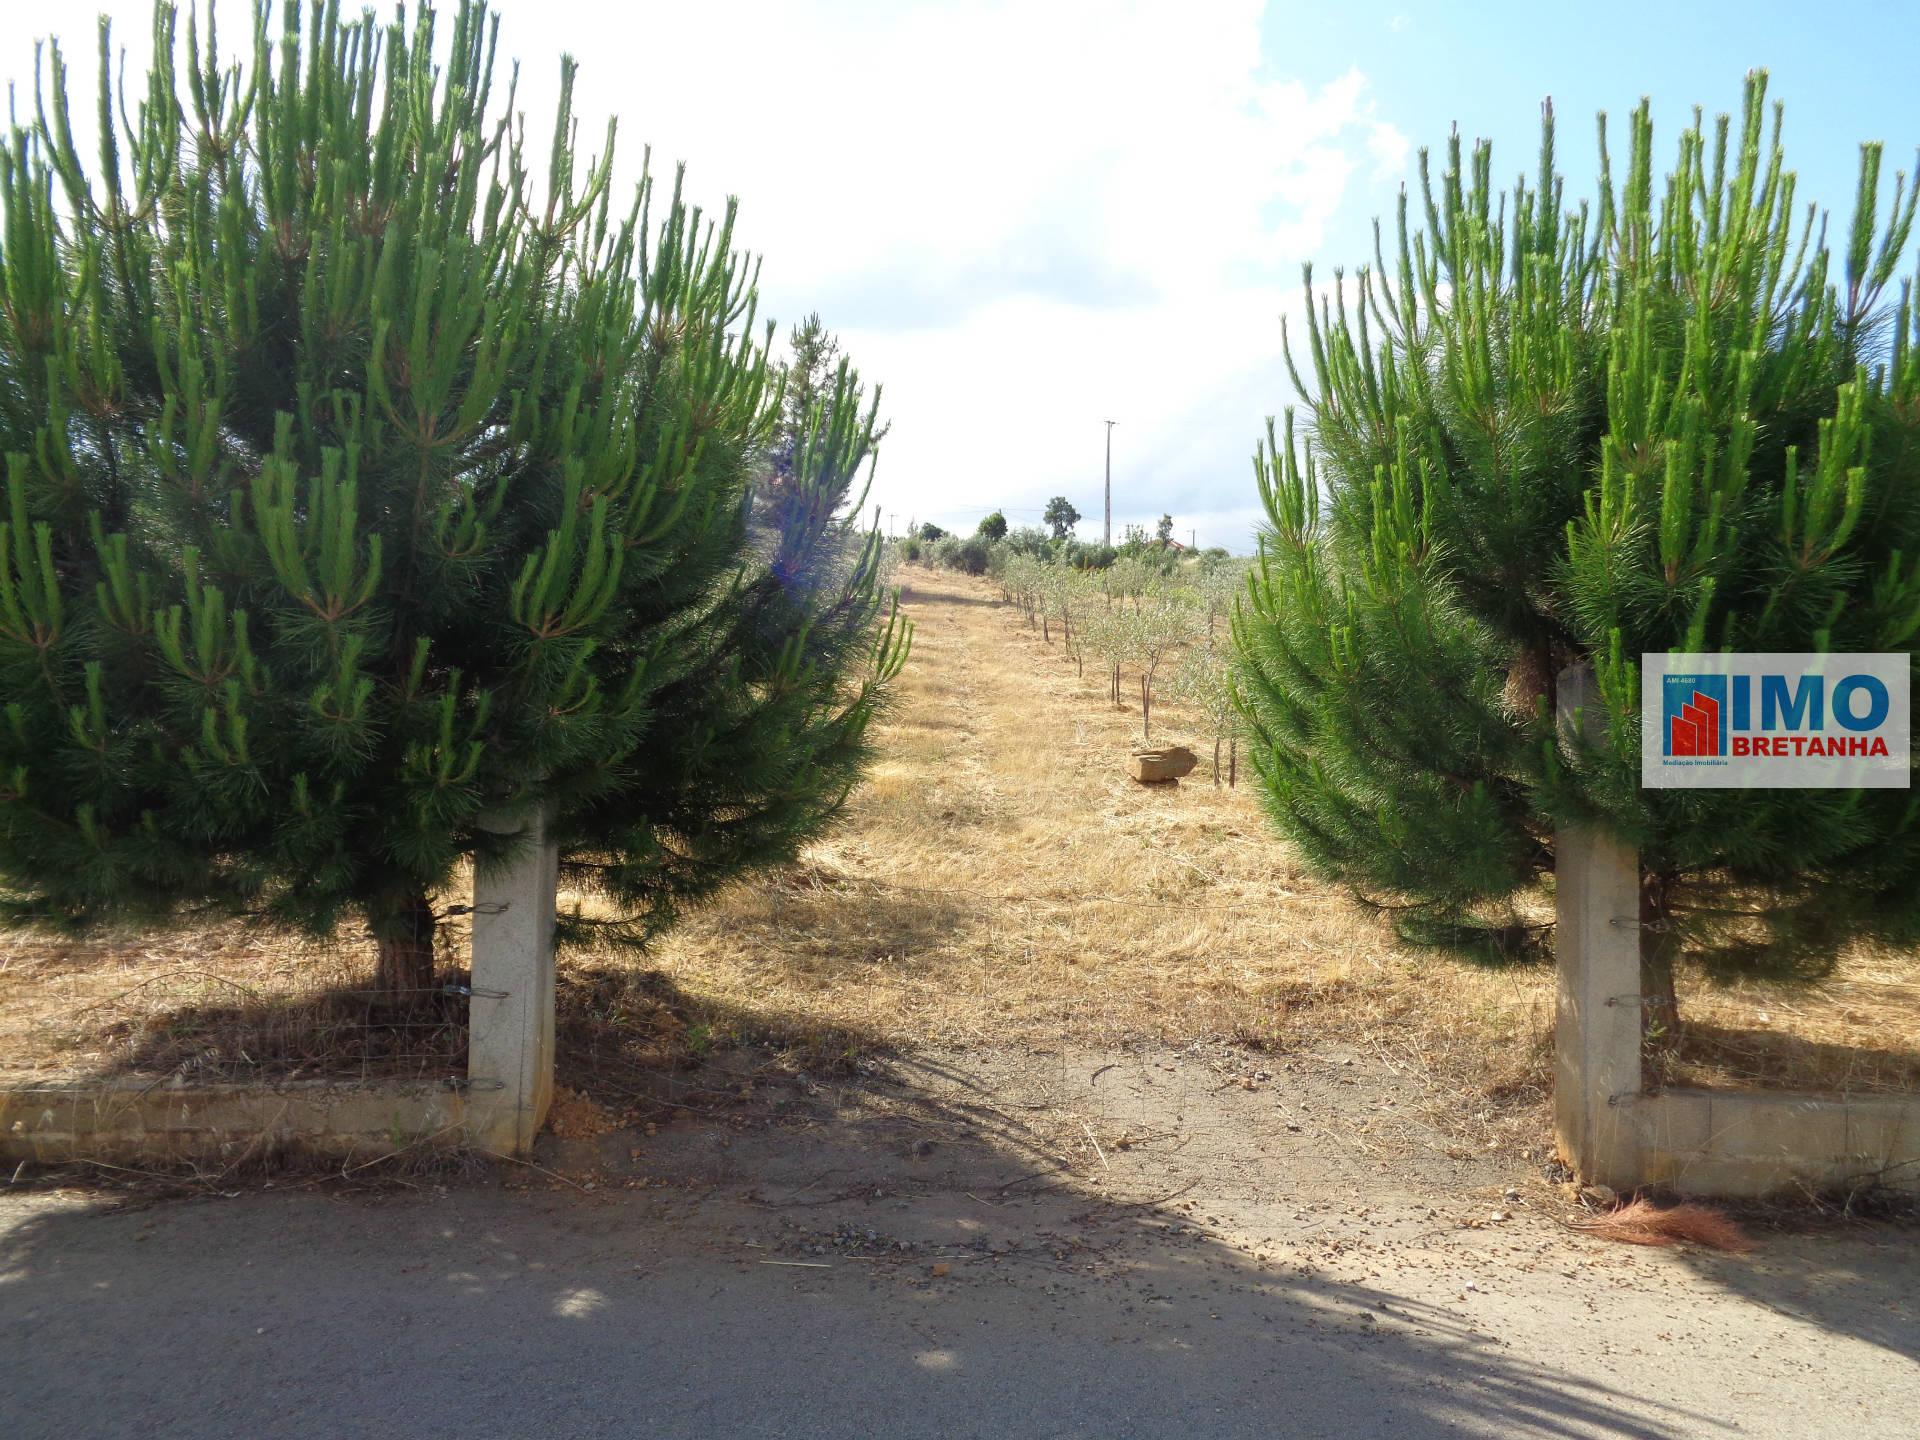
{"x":1057,"y":523}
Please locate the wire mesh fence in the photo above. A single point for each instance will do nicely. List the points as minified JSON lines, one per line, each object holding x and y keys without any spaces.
{"x":226,"y":1003}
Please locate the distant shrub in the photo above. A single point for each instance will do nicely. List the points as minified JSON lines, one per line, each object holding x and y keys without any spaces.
{"x":1089,"y":556}
{"x":930,"y":532}
{"x":993,"y":527}
{"x":911,"y":548}
{"x":969,"y":556}
{"x":1029,"y":540}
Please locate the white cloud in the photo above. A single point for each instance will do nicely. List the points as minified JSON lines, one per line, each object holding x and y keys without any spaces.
{"x":1024,"y":218}
{"x":1389,"y":148}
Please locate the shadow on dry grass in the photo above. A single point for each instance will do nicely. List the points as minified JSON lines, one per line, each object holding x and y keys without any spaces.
{"x":221,"y":1002}
{"x":331,"y":1033}
{"x":624,"y":1034}
{"x":1714,"y":1054}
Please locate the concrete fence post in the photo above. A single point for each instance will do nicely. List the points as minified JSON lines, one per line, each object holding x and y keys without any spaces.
{"x":1596,"y":1033}
{"x":510,"y":1031}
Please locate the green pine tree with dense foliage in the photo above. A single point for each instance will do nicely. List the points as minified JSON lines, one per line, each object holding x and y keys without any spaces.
{"x":1536,"y":436}
{"x":1060,"y":517}
{"x":360,"y":483}
{"x":810,"y":372}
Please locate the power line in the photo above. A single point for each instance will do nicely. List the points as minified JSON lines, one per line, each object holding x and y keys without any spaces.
{"x":965,"y":508}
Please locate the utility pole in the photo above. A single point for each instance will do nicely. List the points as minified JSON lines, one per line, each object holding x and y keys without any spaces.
{"x":1107,"y":533}
{"x":1193,"y":539}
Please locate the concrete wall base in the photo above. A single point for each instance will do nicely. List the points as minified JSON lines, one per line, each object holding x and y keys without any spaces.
{"x":138,"y":1119}
{"x":498,"y":1108}
{"x":1753,"y":1144}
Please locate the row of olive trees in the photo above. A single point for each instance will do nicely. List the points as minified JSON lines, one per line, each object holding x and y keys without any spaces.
{"x":1170,"y":630}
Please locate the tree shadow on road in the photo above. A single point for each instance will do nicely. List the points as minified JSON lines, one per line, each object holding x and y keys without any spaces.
{"x":483,"y":1313}
{"x":1850,"y":1279}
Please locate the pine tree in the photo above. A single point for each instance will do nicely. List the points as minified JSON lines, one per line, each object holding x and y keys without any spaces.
{"x":1669,"y":419}
{"x":992,"y":526}
{"x":1060,"y":517}
{"x":810,"y":369}
{"x":360,"y":485}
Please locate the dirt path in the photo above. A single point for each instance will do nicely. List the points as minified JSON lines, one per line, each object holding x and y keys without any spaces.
{"x":1001,"y":881}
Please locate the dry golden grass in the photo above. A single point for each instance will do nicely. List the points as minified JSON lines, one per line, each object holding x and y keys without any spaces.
{"x":998,"y":880}
{"x":1859,"y":1031}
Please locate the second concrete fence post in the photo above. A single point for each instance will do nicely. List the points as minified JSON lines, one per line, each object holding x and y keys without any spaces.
{"x":510,"y":1037}
{"x":1596,"y":1031}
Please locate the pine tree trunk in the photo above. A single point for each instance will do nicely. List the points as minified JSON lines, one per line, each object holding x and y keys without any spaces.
{"x":1046,"y":630}
{"x":403,"y":969}
{"x":1659,"y":948}
{"x":1233,"y":762}
{"x":1216,"y":762}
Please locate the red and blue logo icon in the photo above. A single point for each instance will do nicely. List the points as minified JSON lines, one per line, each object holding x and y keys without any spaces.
{"x":1693,"y":715}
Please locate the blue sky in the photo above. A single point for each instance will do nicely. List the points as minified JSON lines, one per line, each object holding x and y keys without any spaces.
{"x":1027,"y":218}
{"x":1486,"y":67}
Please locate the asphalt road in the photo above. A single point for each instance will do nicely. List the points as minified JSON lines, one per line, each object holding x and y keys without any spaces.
{"x":482,"y":1314}
{"x":843,"y":1276}
{"x":471,"y":1317}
